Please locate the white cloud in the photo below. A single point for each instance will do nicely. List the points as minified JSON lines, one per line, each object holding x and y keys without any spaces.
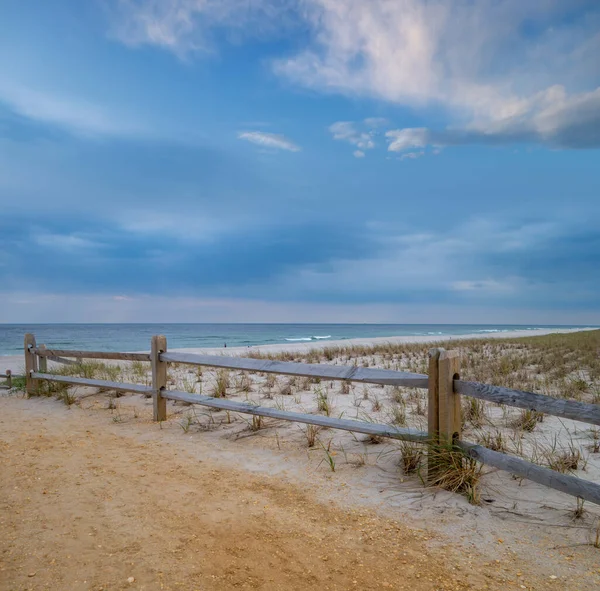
{"x":551,"y":117}
{"x":184,"y":26}
{"x":478,"y":61}
{"x":345,"y":130}
{"x":75,"y":115}
{"x":375,"y":121}
{"x":411,"y":155}
{"x":416,"y":52}
{"x":269,"y":140}
{"x":410,"y":138}
{"x":355,"y":134}
{"x":472,"y":59}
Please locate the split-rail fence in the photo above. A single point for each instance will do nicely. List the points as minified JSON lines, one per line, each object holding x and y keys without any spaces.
{"x":443,"y":384}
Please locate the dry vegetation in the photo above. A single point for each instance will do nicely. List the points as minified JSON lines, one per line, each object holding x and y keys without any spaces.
{"x":559,"y":365}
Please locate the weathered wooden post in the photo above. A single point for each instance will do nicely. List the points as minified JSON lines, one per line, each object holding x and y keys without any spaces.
{"x":449,"y":400}
{"x":43,"y":361}
{"x":31,"y":384}
{"x":159,"y":377}
{"x":443,"y":410}
{"x":433,"y":401}
{"x":8,"y":378}
{"x":433,"y":414}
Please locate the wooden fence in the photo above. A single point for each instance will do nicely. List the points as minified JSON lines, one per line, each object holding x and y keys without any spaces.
{"x":443,"y":384}
{"x":8,"y":377}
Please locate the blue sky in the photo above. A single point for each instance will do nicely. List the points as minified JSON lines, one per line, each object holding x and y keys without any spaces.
{"x":317,"y":160}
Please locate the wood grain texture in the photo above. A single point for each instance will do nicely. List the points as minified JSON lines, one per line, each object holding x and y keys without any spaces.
{"x":31,"y":384}
{"x":567,"y":409}
{"x":324,"y":371}
{"x":571,"y":485}
{"x":121,"y":387}
{"x":8,"y":376}
{"x":433,"y":411}
{"x":42,"y":361}
{"x":433,"y":402}
{"x":344,"y":424}
{"x":449,"y":400}
{"x":159,"y":377}
{"x":93,"y":354}
{"x":61,"y":360}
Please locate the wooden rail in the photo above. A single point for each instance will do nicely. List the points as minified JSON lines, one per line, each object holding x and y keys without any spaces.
{"x":443,"y":382}
{"x":571,"y":485}
{"x":119,"y":386}
{"x":323,"y":371}
{"x":567,"y":409}
{"x":43,"y":352}
{"x":284,"y":415}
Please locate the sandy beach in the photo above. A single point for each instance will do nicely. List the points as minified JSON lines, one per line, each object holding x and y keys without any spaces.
{"x":341,"y":494}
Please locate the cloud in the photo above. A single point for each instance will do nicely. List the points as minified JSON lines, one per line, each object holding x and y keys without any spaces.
{"x":75,"y":115}
{"x":416,"y":52}
{"x":491,"y":66}
{"x":494,"y":68}
{"x":346,"y":131}
{"x":375,"y":121}
{"x":405,"y":139}
{"x":360,"y":134}
{"x":269,"y":140}
{"x":483,"y":261}
{"x":552,"y":118}
{"x":190,"y":26}
{"x":411,"y":155}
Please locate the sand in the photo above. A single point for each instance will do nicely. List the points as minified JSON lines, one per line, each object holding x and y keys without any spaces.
{"x":97,"y":492}
{"x":91,"y":503}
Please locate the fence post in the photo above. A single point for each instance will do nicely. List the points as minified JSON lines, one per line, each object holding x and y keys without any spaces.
{"x":8,"y":378}
{"x":31,"y":385}
{"x":433,"y":411}
{"x":449,"y":401}
{"x":159,"y":377}
{"x":43,"y":361}
{"x":433,"y":402}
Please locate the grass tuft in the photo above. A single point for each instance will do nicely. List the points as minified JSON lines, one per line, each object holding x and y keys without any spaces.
{"x":455,"y":471}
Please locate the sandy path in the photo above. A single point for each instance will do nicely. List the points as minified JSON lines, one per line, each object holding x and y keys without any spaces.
{"x":86,"y":503}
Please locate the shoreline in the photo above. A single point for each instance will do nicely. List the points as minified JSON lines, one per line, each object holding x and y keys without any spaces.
{"x":373,"y":341}
{"x":16,"y":362}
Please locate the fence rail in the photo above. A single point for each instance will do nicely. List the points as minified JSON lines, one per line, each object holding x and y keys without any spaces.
{"x":119,"y":386}
{"x":443,"y":383}
{"x":567,"y":409}
{"x":319,"y":420}
{"x":327,"y":372}
{"x":44,"y":352}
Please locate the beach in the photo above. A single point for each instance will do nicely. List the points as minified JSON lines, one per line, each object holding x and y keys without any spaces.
{"x":516,"y":533}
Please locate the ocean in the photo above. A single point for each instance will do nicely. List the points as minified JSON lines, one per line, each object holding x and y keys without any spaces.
{"x":136,"y":337}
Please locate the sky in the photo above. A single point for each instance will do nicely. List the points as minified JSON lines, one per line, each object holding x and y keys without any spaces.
{"x":309,"y":161}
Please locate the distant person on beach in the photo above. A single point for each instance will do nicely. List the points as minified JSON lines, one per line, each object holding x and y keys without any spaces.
{"x":225,"y":345}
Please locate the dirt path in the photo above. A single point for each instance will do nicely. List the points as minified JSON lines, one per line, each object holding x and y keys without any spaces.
{"x":86,"y":505}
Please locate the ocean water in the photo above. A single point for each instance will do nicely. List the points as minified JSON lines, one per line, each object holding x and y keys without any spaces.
{"x":136,"y":337}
